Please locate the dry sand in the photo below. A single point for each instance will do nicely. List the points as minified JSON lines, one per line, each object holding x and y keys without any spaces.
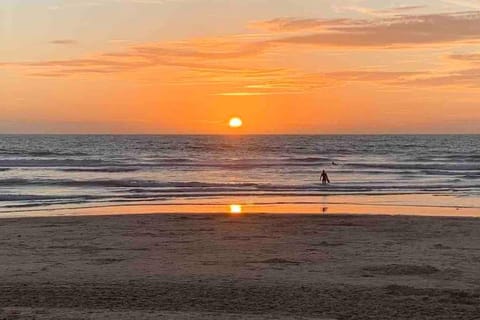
{"x":240,"y":267}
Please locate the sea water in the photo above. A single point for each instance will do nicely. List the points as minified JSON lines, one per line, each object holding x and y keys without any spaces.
{"x":51,"y":172}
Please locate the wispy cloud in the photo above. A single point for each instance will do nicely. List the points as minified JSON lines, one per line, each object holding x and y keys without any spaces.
{"x":470,"y":4}
{"x":96,"y":3}
{"x":298,"y":24}
{"x":102,"y":2}
{"x":198,"y":54}
{"x":393,"y":32}
{"x":228,"y":59}
{"x":360,"y":75}
{"x":293,"y":82}
{"x":248,"y":94}
{"x":469,"y":57}
{"x":397,"y":31}
{"x":379,"y":12}
{"x":401,"y":9}
{"x":64,"y":42}
{"x":469,"y":78}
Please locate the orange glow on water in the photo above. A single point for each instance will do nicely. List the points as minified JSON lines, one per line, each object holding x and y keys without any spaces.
{"x":236,"y":209}
{"x":419,"y":205}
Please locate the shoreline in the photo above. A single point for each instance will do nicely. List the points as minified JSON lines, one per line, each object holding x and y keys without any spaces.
{"x":258,"y":205}
{"x":229,"y":214}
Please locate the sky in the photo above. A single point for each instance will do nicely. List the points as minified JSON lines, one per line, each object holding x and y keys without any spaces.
{"x":282,"y":66}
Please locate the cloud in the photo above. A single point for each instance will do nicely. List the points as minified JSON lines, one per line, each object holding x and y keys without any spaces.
{"x":250,"y":94}
{"x":401,"y":9}
{"x":294,"y":82}
{"x":398,"y":31}
{"x":471,"y":4}
{"x":230,"y":59}
{"x":64,"y":42}
{"x":194,"y":54}
{"x":296,"y":24}
{"x":375,"y":76}
{"x":465,"y":78}
{"x":224,"y":53}
{"x":98,"y":3}
{"x":468,"y":57}
{"x":210,"y":49}
{"x":93,"y":3}
{"x":381,"y":12}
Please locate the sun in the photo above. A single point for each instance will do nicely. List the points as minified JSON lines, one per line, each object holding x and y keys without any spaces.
{"x":235,"y":122}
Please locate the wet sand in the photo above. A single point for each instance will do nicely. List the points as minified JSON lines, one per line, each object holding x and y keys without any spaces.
{"x":240,"y":267}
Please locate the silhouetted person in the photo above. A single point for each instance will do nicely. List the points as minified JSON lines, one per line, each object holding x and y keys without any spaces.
{"x":324,"y":177}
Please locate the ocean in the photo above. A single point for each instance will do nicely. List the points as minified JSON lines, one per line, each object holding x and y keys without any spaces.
{"x":44,"y":173}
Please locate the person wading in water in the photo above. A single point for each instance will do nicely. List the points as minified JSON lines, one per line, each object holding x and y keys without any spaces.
{"x":324,"y":177}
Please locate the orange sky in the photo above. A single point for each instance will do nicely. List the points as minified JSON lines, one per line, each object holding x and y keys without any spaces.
{"x":187,"y":66}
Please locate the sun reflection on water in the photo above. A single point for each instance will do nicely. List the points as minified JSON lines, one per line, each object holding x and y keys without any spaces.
{"x":235,"y":208}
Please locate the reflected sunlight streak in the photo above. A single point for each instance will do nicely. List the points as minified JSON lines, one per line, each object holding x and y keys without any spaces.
{"x":236,"y":209}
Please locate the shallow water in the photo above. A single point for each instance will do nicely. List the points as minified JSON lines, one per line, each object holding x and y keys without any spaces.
{"x":40,"y":173}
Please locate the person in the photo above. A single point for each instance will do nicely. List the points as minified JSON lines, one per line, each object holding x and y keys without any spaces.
{"x":324,"y":177}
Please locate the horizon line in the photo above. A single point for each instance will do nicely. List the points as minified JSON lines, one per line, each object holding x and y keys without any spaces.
{"x":238,"y":134}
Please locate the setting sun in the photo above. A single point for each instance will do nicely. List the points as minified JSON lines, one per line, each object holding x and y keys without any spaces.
{"x":235,"y":122}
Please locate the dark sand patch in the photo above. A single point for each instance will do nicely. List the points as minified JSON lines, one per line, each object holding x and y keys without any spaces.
{"x":87,"y":249}
{"x":198,"y":218}
{"x":235,"y":238}
{"x":277,"y":261}
{"x":103,"y":314}
{"x":440,"y":246}
{"x":451,"y":296}
{"x":402,"y":270}
{"x":327,"y":244}
{"x":346,"y":302}
{"x":105,"y":261}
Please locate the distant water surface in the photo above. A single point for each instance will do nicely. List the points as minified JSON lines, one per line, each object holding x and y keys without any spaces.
{"x":45,"y":172}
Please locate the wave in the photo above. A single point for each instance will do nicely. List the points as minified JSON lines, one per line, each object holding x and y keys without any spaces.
{"x":309,"y":159}
{"x":106,"y":169}
{"x":174,"y":160}
{"x":130,"y":165}
{"x":21,"y":197}
{"x":163,"y":186}
{"x":40,"y":153}
{"x":115,"y":183}
{"x":34,"y":197}
{"x":419,"y":166}
{"x":49,"y":163}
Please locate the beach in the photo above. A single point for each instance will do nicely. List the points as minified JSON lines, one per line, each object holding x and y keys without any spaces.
{"x":260,"y":159}
{"x":250,"y":266}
